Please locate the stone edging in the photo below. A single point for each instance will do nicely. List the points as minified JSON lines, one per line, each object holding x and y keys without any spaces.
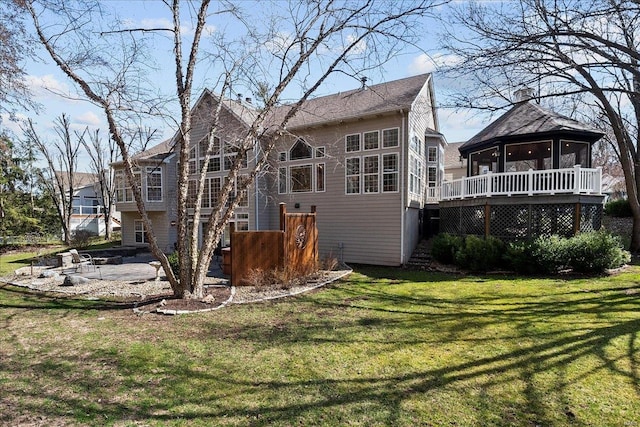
{"x":169,"y":312}
{"x":342,"y":274}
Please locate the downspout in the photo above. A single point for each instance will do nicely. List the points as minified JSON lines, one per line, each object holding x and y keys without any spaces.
{"x":402,"y":189}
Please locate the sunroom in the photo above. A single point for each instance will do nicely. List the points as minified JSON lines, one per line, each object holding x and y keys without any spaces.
{"x":529,"y":173}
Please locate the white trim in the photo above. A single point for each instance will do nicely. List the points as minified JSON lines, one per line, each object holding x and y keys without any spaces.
{"x":154,"y":170}
{"x":397,"y":173}
{"x":364,"y":174}
{"x":324,"y":177}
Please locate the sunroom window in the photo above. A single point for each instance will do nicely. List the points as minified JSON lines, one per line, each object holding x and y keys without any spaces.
{"x":533,"y":155}
{"x":574,"y":153}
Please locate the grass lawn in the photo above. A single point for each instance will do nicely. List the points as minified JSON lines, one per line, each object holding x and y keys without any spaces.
{"x":384,"y":347}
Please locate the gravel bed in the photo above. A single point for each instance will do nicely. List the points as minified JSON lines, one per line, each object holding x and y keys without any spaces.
{"x":141,"y":290}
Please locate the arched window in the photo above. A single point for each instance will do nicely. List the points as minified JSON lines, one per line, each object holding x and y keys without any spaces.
{"x":300,"y":150}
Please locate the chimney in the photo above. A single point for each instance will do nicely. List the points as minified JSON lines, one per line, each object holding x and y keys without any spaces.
{"x":248,"y":100}
{"x":364,"y":83}
{"x":524,"y":94}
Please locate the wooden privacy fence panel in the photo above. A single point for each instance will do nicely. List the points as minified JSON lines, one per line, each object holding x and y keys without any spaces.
{"x":294,"y":247}
{"x":253,"y":250}
{"x":301,"y":243}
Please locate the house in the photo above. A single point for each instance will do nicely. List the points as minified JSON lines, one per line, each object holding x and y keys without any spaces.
{"x":369,"y":159}
{"x":87,"y":205}
{"x":528,"y":174}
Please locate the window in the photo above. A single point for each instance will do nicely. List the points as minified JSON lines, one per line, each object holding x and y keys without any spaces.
{"x":213,"y":155}
{"x":243,"y":200}
{"x":371,"y":140}
{"x":484,"y":161}
{"x":282,"y":156}
{"x":154,"y":184}
{"x":192,"y":160}
{"x":139,"y":231}
{"x":123,"y":190}
{"x":230,"y":153}
{"x":522,"y":157}
{"x":416,"y":144}
{"x":352,"y":143}
{"x":242,"y":222}
{"x":371,"y":173}
{"x":432,"y":176}
{"x":415,"y":175}
{"x":282,"y":180}
{"x":320,"y":177}
{"x":432,"y":154}
{"x":300,"y":150}
{"x":301,"y":179}
{"x":191,"y":194}
{"x":215,"y":191}
{"x":390,"y":137}
{"x":574,"y":153}
{"x":353,"y":175}
{"x":320,"y":152}
{"x":389,"y":172}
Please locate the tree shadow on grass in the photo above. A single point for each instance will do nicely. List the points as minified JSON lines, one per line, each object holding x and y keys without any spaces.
{"x":542,"y":337}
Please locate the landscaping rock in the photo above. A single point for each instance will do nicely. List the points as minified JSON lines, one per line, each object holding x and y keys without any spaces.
{"x":50,"y":274}
{"x":208,"y":299}
{"x":75,"y":280}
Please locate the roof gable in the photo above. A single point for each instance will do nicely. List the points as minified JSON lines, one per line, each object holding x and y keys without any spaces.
{"x":376,"y":99}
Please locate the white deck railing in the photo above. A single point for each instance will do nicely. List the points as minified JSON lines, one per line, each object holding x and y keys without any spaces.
{"x":576,"y":180}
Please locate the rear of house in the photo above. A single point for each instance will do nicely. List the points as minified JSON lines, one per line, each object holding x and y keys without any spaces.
{"x":360,"y":157}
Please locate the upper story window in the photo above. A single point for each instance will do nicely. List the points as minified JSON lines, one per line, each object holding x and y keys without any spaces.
{"x":416,"y":144}
{"x":154,"y":184}
{"x":390,"y":137}
{"x":213,"y":154}
{"x":371,"y":140}
{"x":123,"y":190}
{"x":300,"y":150}
{"x":301,"y":178}
{"x":352,"y":143}
{"x":432,"y":154}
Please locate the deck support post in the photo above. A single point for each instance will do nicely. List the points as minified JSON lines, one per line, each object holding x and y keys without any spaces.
{"x":487,"y":220}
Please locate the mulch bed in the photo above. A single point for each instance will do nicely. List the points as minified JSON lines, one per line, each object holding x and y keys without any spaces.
{"x":220,"y":294}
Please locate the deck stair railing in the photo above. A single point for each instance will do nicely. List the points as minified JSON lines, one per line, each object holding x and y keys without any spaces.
{"x":576,"y":180}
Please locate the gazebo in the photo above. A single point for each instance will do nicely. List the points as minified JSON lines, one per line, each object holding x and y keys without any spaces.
{"x":528,"y":174}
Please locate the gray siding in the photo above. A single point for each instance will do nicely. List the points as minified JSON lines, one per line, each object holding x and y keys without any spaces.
{"x":363,"y":228}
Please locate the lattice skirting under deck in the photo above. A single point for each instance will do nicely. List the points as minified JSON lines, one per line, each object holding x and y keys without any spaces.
{"x":521,"y":221}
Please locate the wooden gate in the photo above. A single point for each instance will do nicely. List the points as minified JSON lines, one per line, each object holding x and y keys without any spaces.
{"x":294,"y":247}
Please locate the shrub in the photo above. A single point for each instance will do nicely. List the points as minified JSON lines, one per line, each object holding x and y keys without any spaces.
{"x":174,"y":262}
{"x":445,"y":246}
{"x":595,"y":252}
{"x":519,"y":257}
{"x":619,"y":208}
{"x":478,"y":254}
{"x":585,"y":253}
{"x":82,"y":238}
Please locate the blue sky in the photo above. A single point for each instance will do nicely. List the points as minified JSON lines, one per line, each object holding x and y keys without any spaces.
{"x":52,"y":89}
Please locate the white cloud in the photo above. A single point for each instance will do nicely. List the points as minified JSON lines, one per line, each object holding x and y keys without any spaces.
{"x":12,"y":124}
{"x":46,"y":84}
{"x":360,"y":47}
{"x":425,"y":63}
{"x":88,"y":118}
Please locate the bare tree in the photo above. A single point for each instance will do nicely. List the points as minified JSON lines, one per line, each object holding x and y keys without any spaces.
{"x":566,"y":49}
{"x":14,"y":48}
{"x":59,"y":177}
{"x":102,"y":155}
{"x":299,"y":45}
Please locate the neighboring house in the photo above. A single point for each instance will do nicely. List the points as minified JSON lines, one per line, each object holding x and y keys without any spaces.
{"x":369,"y":159}
{"x":87,"y":205}
{"x":614,"y":186}
{"x":455,"y":166}
{"x":527,"y":174}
